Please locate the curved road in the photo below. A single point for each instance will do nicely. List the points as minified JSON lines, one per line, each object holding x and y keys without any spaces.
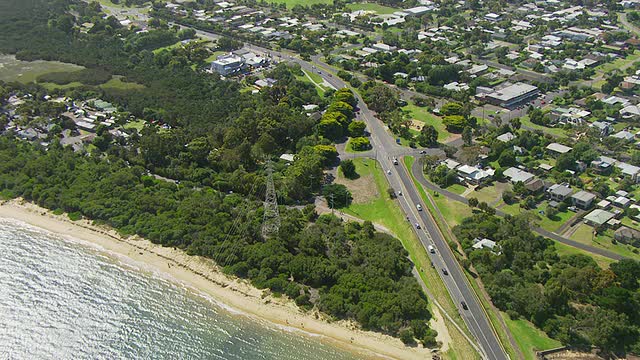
{"x":419,"y":175}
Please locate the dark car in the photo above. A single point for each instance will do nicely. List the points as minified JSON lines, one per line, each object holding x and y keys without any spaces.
{"x":444,"y":271}
{"x":464,"y":305}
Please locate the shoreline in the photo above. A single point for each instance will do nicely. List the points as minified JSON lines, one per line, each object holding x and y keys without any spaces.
{"x":202,"y":275}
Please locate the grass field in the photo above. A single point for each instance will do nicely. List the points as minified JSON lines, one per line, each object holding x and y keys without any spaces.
{"x":528,"y":337}
{"x":584,"y":235}
{"x":292,"y":3}
{"x":379,"y":9}
{"x":386,"y":212}
{"x":314,"y":79}
{"x":421,"y":114}
{"x":117,"y":83}
{"x":619,"y":63}
{"x":214,"y":56}
{"x":457,"y":189}
{"x":53,"y":86}
{"x":12,"y":69}
{"x":553,"y":131}
{"x":563,"y":249}
{"x":138,"y":125}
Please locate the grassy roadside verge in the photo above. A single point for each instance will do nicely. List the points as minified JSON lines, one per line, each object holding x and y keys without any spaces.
{"x":527,"y":336}
{"x":386,"y":212}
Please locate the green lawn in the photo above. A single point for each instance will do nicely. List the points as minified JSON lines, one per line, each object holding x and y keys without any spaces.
{"x":549,"y":130}
{"x":138,"y":125}
{"x":214,"y":56}
{"x":529,"y":338}
{"x":292,"y":3}
{"x":117,"y":83}
{"x":489,"y":194}
{"x":372,"y":7}
{"x":421,"y":114}
{"x":314,"y":79}
{"x":584,"y":235}
{"x":618,"y":63}
{"x":349,"y":149}
{"x":457,"y":189}
{"x":12,"y":69}
{"x":53,"y":86}
{"x":387,"y":212}
{"x":556,"y":222}
{"x":563,"y":249}
{"x":168,"y":47}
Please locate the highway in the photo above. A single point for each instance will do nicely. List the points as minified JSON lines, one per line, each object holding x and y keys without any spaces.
{"x":384,"y":150}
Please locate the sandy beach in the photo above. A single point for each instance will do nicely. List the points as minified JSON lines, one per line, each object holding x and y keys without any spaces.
{"x":202,"y":275}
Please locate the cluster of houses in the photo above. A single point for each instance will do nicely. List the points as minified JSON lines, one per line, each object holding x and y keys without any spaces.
{"x":86,"y":115}
{"x":601,"y":213}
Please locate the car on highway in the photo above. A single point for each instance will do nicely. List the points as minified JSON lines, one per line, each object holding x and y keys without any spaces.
{"x":464,"y":305}
{"x":419,"y":207}
{"x":431,"y":249}
{"x":444,"y":271}
{"x":395,"y":161}
{"x":400,"y":193}
{"x":423,"y":151}
{"x":418,"y":226}
{"x":389,"y":172}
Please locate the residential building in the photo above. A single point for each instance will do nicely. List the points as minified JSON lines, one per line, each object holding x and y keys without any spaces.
{"x":598,"y":217}
{"x":558,"y":149}
{"x":624,"y":135}
{"x":559,"y":192}
{"x":506,"y":137}
{"x":483,"y":243}
{"x":583,"y":199}
{"x":473,"y":175}
{"x":516,"y":175}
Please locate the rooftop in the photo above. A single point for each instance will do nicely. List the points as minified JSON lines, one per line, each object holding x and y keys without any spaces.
{"x":599,"y":216}
{"x":559,"y":148}
{"x":583,"y":196}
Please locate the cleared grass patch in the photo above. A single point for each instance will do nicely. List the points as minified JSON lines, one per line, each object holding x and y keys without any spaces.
{"x":292,"y":3}
{"x":563,"y":249}
{"x":138,"y":125}
{"x":457,"y":189}
{"x":619,"y":63}
{"x":584,"y":234}
{"x":52,"y":86}
{"x":117,"y":83}
{"x":421,"y":114}
{"x":529,"y":338}
{"x":553,"y":131}
{"x":379,"y":9}
{"x":12,"y":69}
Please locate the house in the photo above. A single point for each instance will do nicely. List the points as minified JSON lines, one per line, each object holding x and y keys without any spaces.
{"x":473,"y":174}
{"x":622,"y":202}
{"x":493,"y":17}
{"x":506,"y":137}
{"x":516,"y":175}
{"x":534,"y":185}
{"x":603,"y":204}
{"x":598,"y":217}
{"x":630,"y":112}
{"x":624,"y":135}
{"x":583,"y":199}
{"x":601,"y":166}
{"x":604,"y":127}
{"x":628,"y":235}
{"x":483,"y":243}
{"x":450,"y":164}
{"x":559,"y":192}
{"x":630,"y":171}
{"x":558,"y":149}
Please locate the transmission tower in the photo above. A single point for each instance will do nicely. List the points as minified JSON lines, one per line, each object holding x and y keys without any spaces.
{"x":271,"y":221}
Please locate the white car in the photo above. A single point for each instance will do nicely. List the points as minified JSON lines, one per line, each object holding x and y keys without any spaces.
{"x":419,"y":207}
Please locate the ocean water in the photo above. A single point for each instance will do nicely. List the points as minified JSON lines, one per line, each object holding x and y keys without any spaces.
{"x":61,"y":299}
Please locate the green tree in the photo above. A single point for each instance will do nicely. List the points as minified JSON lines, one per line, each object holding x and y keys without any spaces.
{"x":454,"y":123}
{"x":337,"y":195}
{"x":348,"y":169}
{"x":428,"y":136}
{"x":360,"y":144}
{"x":467,"y":135}
{"x":356,"y":128}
